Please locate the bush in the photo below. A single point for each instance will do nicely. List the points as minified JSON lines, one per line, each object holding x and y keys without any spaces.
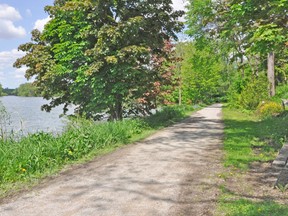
{"x":255,"y":92}
{"x":269,"y":108}
{"x":282,"y":92}
{"x":248,"y":93}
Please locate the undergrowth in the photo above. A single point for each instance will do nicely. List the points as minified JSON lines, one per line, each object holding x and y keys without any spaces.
{"x":41,"y":154}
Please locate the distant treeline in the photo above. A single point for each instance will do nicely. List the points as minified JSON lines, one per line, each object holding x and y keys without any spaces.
{"x":24,"y":90}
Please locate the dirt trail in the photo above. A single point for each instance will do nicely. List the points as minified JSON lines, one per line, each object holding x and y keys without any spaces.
{"x":173,"y":172}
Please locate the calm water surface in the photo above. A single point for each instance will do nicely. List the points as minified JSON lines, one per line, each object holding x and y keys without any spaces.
{"x":26,"y":115}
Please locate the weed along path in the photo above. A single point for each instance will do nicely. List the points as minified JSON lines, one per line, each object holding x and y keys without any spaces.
{"x":173,"y":172}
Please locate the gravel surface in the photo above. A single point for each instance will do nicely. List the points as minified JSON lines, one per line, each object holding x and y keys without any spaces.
{"x":173,"y":172}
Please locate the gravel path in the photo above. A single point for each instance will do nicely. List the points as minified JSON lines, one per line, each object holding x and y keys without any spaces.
{"x":173,"y":172}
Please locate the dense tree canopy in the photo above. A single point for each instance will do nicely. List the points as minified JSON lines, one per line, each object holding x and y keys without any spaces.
{"x":27,"y":90}
{"x":118,"y":56}
{"x":203,"y":75}
{"x":248,"y":30}
{"x":99,"y":54}
{"x":248,"y":26}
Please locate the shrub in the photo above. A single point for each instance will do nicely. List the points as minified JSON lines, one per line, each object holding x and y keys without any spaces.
{"x":255,"y":91}
{"x":247,"y":93}
{"x":269,"y":108}
{"x":282,"y":92}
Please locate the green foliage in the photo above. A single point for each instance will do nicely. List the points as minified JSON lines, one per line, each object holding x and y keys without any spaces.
{"x":38,"y":154}
{"x":247,"y":139}
{"x":269,"y":108}
{"x":200,"y":13}
{"x":27,"y":90}
{"x":249,"y":30}
{"x":3,"y":92}
{"x":281,"y":92}
{"x":254,"y":92}
{"x":24,"y":90}
{"x":8,"y":91}
{"x":247,"y":93}
{"x":202,"y":74}
{"x":83,"y":56}
{"x":234,"y":92}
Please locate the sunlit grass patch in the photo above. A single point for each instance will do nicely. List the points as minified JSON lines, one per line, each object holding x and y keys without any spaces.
{"x":244,"y":207}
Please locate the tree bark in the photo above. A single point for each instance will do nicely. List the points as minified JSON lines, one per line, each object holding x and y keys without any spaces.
{"x":271,"y":73}
{"x":242,"y":67}
{"x":118,"y":107}
{"x":116,"y":111}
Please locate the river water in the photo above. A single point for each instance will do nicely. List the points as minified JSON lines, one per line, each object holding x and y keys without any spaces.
{"x":26,"y":115}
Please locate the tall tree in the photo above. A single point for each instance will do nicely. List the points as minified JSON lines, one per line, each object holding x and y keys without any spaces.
{"x":202,"y":73}
{"x":97,"y":54}
{"x":167,"y":81}
{"x":251,"y":28}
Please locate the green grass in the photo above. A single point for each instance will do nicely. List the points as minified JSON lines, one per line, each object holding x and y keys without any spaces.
{"x":248,"y":139}
{"x":243,"y":207}
{"x":33,"y":157}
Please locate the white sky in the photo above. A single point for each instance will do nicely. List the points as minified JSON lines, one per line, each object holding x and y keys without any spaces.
{"x":17,"y":19}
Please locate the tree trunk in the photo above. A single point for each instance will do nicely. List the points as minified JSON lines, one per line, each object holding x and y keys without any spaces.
{"x":116,"y":112}
{"x":118,"y":108}
{"x":271,"y":74}
{"x":242,"y":67}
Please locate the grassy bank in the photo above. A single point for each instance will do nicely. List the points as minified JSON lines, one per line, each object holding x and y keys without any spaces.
{"x":249,"y":140}
{"x":36,"y":156}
